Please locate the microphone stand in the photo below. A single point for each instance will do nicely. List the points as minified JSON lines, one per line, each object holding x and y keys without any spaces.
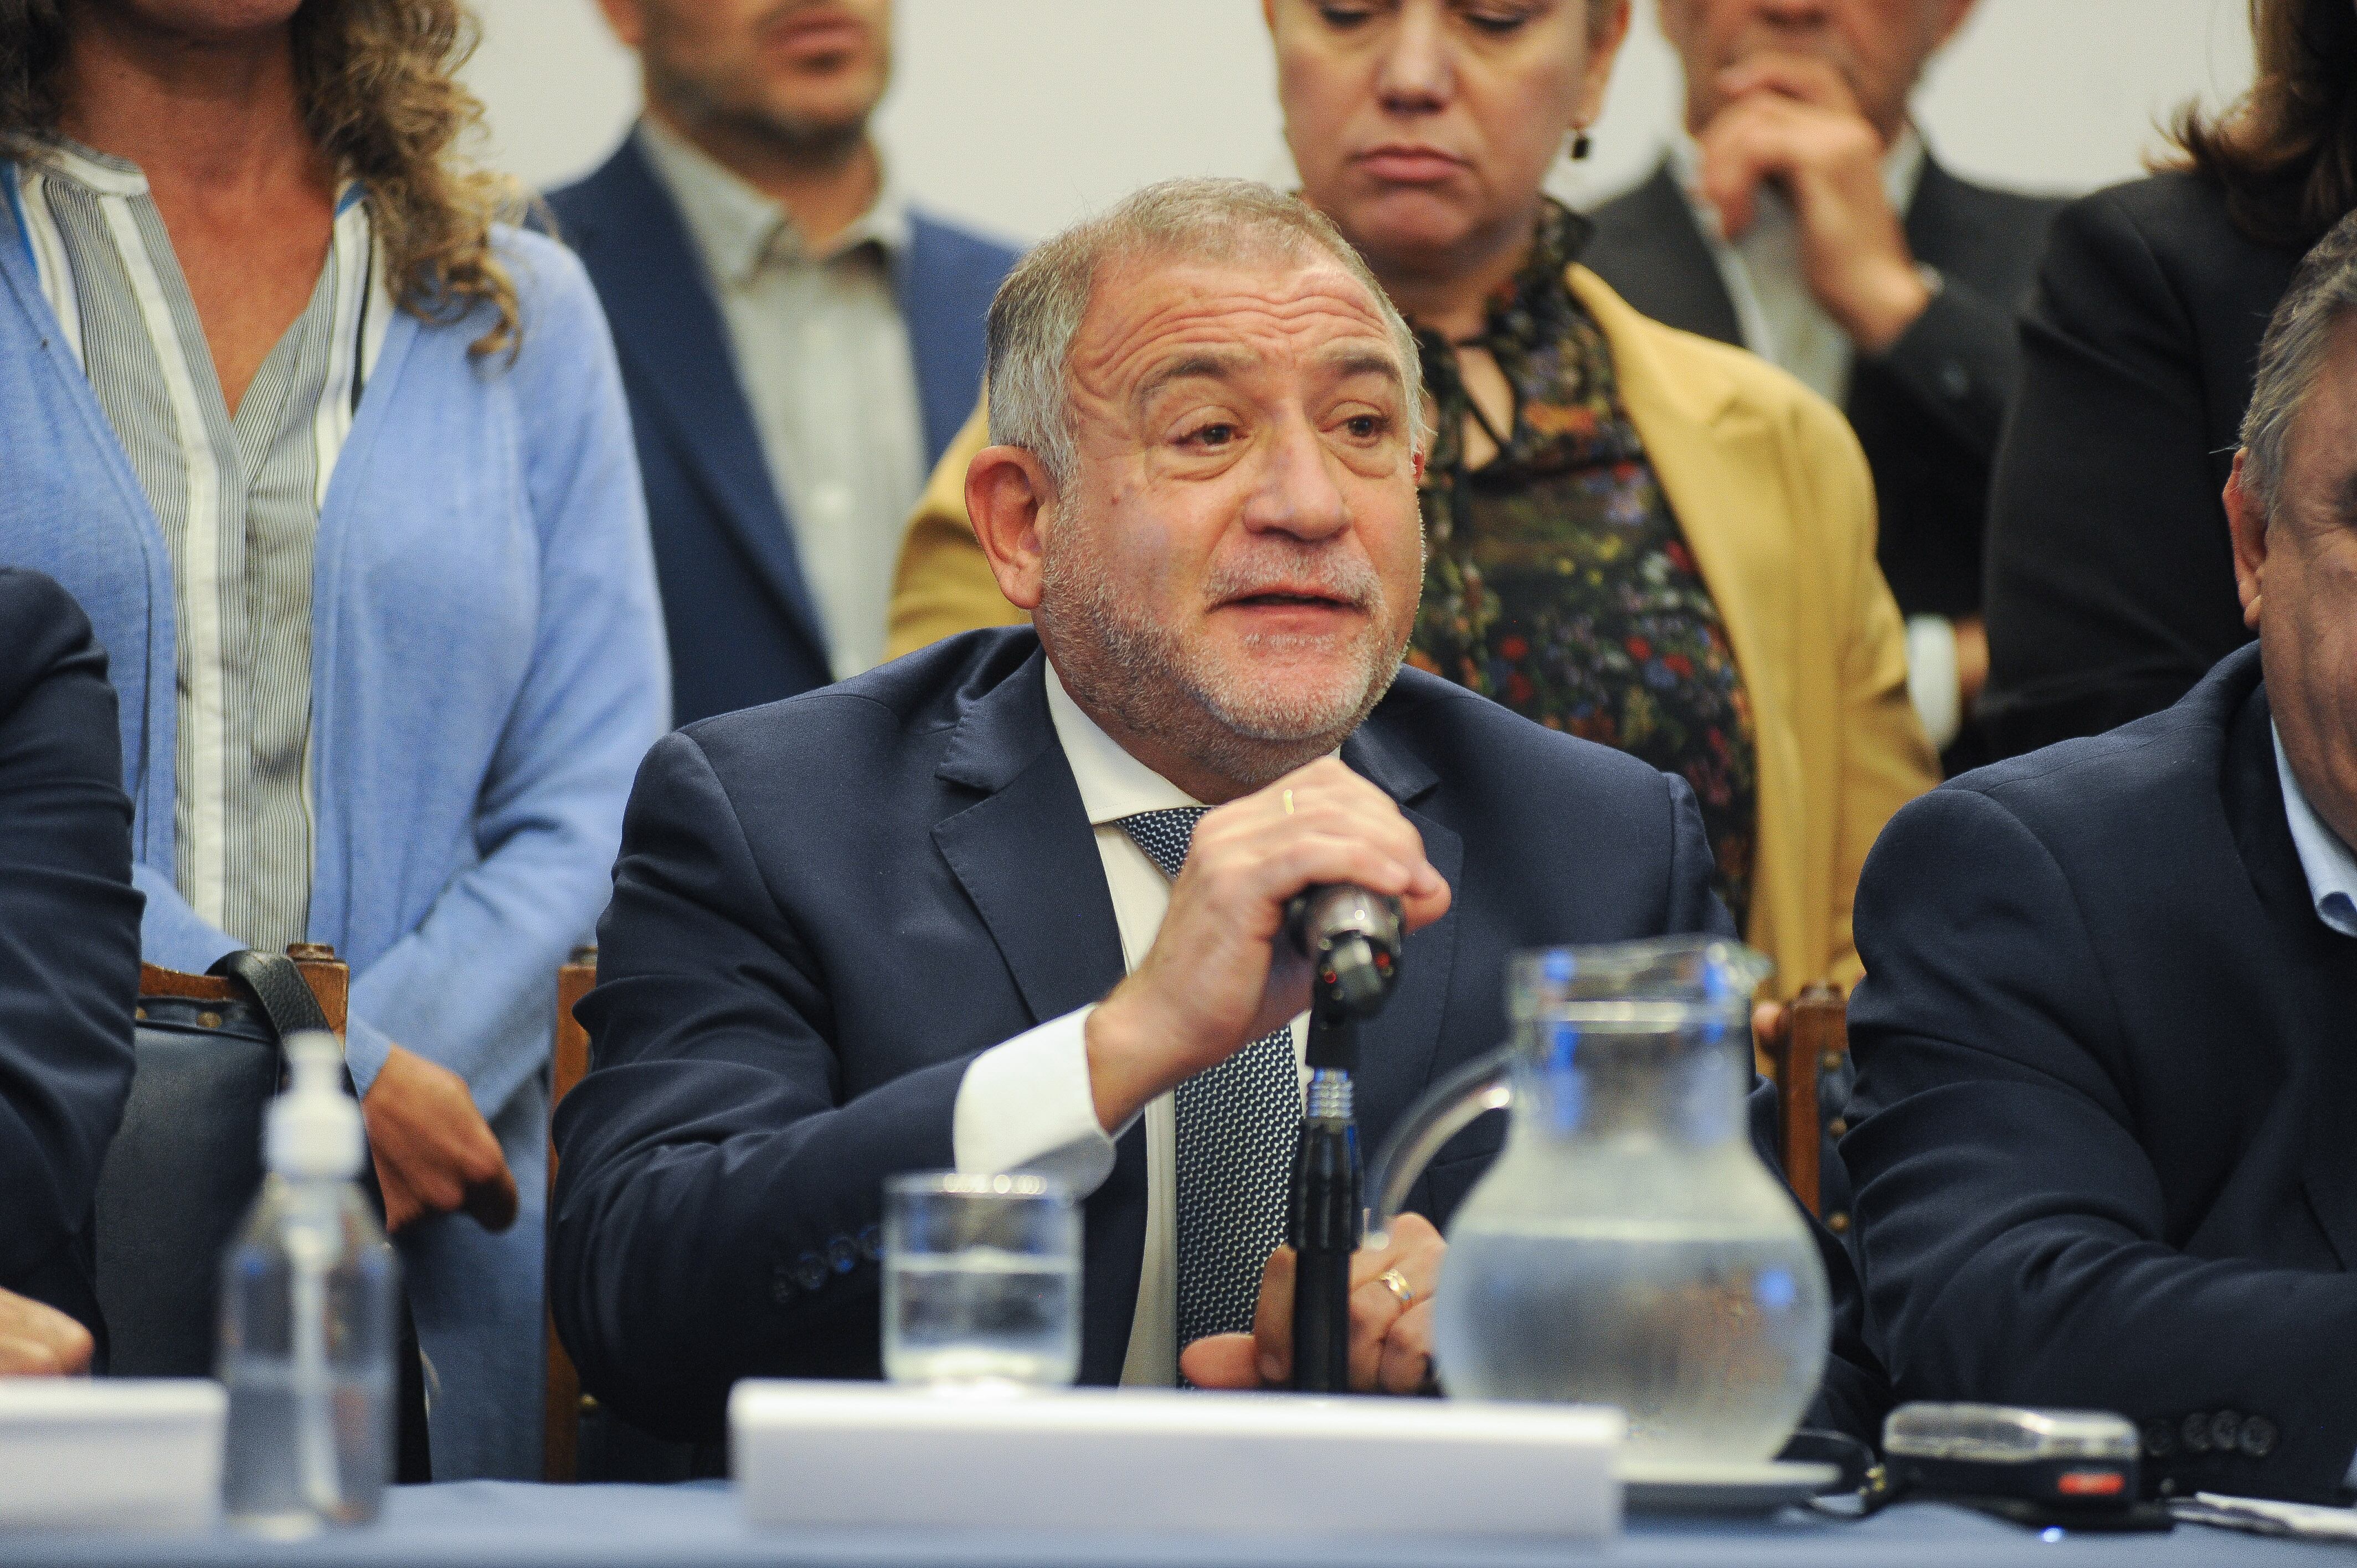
{"x":1325,"y":1215}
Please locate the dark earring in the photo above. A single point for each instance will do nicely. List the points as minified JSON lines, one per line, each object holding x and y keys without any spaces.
{"x":1579,"y":145}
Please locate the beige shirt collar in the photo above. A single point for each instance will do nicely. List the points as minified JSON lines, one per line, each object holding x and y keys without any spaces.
{"x":739,"y":230}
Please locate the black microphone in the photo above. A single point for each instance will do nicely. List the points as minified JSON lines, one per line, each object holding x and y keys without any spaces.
{"x":1351,"y":939}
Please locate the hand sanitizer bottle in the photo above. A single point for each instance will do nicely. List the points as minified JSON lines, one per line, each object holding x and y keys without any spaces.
{"x":309,"y":1302}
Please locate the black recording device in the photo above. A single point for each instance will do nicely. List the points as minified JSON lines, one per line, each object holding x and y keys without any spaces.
{"x":1351,"y":937}
{"x":2071,"y":1468}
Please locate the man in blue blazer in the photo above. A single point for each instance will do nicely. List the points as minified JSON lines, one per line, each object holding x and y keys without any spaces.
{"x":2104,"y":1133}
{"x":1017,"y":901}
{"x":798,"y":343}
{"x":68,"y":967}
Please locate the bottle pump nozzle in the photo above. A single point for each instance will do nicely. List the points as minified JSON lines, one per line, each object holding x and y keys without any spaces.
{"x":313,"y":1128}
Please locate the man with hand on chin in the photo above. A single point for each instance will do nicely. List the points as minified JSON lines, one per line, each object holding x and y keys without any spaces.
{"x":1018,"y":900}
{"x":1803,"y":218}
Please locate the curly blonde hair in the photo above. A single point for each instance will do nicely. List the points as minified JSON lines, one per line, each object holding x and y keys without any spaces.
{"x":381,"y":95}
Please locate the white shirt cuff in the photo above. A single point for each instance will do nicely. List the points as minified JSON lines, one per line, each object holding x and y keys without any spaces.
{"x":1931,"y":677}
{"x":1027,"y":1105}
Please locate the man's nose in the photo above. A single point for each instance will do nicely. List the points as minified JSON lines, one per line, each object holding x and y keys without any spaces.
{"x":1297,"y":494}
{"x":1417,"y":72}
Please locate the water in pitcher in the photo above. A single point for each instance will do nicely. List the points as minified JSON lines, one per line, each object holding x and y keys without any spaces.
{"x":1708,"y":1336}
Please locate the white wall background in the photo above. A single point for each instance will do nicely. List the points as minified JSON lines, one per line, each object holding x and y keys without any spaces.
{"x":1017,"y":115}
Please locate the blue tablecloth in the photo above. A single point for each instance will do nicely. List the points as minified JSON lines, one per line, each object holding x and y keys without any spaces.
{"x":505,"y":1525}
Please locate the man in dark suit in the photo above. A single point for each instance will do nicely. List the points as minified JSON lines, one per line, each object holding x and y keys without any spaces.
{"x":68,"y":967}
{"x":2102,"y":1133}
{"x":798,"y":342}
{"x":1018,"y":900}
{"x":1803,"y":218}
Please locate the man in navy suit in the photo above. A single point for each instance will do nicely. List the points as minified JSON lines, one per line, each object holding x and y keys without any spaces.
{"x":1017,"y":901}
{"x":2104,"y":1133}
{"x":68,"y":967}
{"x":798,"y":343}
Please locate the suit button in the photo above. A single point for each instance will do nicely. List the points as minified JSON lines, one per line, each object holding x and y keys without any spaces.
{"x":1838,"y":1224}
{"x":2195,"y":1432}
{"x":871,"y":1243}
{"x":2160,"y":1437}
{"x":2258,"y":1436}
{"x":1955,"y":381}
{"x":809,"y":1271}
{"x":842,"y":1255}
{"x":2225,"y":1431}
{"x":781,"y":1286}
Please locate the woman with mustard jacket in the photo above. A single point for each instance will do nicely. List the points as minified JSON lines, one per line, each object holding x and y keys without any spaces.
{"x":1634,"y":534}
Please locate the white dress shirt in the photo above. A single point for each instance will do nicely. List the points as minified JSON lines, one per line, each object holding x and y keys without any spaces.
{"x":823,"y":356}
{"x":2330,"y":869}
{"x":1027,"y":1105}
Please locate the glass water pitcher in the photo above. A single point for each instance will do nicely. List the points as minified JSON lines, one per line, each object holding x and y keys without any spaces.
{"x":1628,"y":1247}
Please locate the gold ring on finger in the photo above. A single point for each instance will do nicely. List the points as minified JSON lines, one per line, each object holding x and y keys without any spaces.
{"x":1396,"y":1283}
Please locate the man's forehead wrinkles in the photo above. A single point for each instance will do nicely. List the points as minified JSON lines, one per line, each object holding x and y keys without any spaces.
{"x":1237,"y":346}
{"x":1175,"y":316}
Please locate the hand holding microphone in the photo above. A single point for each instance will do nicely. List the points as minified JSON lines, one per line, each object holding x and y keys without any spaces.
{"x":1222,"y":970}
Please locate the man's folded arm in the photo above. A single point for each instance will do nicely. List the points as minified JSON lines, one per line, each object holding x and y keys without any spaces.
{"x":718,"y":1202}
{"x":2012,"y":1228}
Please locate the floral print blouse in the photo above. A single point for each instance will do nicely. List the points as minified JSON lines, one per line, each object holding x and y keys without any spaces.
{"x":1557,"y":578}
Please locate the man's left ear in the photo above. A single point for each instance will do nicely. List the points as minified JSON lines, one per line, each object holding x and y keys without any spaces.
{"x":2246,"y":523}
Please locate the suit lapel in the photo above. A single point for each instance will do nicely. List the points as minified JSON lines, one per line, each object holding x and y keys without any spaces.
{"x":2315,"y":1014}
{"x":945,"y":340}
{"x":667,"y":329}
{"x":1025,"y":853}
{"x":1646,"y":247}
{"x":1027,"y":858}
{"x":1397,"y":1050}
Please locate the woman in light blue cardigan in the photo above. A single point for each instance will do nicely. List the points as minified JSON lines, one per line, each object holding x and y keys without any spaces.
{"x":486,"y":661}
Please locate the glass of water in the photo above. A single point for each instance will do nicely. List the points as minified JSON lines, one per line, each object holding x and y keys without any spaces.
{"x":982,"y":1280}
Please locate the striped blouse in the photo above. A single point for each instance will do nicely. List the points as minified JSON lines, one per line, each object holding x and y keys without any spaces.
{"x":238,"y":497}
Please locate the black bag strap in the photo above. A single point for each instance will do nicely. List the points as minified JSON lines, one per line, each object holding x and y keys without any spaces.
{"x":278,"y":989}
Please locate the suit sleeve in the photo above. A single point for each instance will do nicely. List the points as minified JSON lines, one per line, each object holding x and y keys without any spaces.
{"x":1960,"y":361}
{"x":719,"y":1190}
{"x":69,"y":930}
{"x":2111,"y":585}
{"x":2010,"y":1225}
{"x":942,"y":584}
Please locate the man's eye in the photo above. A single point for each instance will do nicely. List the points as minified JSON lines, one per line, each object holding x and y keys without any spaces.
{"x":1214,"y":435}
{"x":1366,"y":426}
{"x":1343,"y":16}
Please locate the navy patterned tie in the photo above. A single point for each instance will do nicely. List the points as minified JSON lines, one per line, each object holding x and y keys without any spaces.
{"x":1236,"y":1124}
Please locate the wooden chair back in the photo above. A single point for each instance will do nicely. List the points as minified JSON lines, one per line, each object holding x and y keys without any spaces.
{"x":561,"y":1454}
{"x":1815,"y":1039}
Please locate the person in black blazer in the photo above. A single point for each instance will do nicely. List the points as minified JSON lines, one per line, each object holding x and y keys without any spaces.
{"x":732,"y":123}
{"x":885,"y":926}
{"x":2110,"y":586}
{"x":2101,"y":1133}
{"x":1806,"y":113}
{"x":68,"y":967}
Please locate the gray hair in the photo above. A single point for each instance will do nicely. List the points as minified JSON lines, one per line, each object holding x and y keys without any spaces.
{"x":1038,"y":308}
{"x":2322,"y":291}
